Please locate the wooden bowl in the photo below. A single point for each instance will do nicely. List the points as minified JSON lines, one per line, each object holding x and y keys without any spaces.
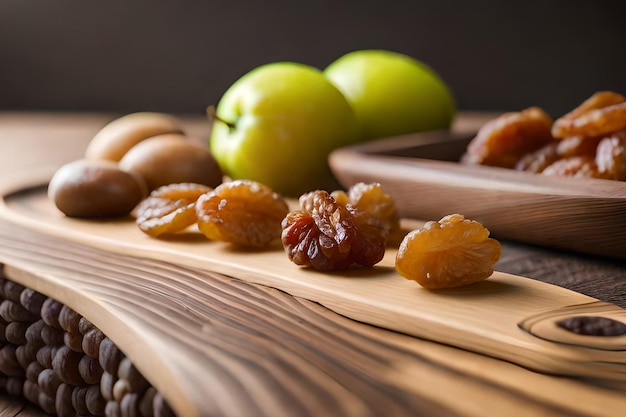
{"x":421,"y":172}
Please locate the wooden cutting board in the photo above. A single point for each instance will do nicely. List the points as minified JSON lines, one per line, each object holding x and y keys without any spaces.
{"x":507,"y":317}
{"x":276,"y":339}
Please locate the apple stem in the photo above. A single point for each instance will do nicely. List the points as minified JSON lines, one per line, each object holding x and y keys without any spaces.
{"x":210,"y":111}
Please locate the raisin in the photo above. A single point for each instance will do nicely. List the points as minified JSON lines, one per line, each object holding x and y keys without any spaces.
{"x":578,"y":146}
{"x":371,"y":199}
{"x":538,"y":160}
{"x":242,"y":212}
{"x":503,"y":141}
{"x":169,"y":208}
{"x":449,"y":253}
{"x":602,"y":113}
{"x":611,"y":156}
{"x":575,"y":166}
{"x":329,"y":236}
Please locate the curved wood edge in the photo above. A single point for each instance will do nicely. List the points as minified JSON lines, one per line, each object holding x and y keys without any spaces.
{"x":378,"y":299}
{"x":444,"y":146}
{"x":247,"y":349}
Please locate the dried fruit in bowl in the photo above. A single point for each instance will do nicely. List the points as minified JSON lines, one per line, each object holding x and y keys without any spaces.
{"x":602,"y":113}
{"x":502,"y":142}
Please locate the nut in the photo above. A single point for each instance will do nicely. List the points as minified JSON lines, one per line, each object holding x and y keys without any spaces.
{"x":91,"y":343}
{"x":90,"y":370}
{"x":116,"y":138}
{"x":95,"y":189}
{"x":110,"y":356}
{"x":68,"y":320}
{"x":32,"y":300}
{"x":50,"y":312}
{"x":65,"y":364}
{"x":170,"y":159}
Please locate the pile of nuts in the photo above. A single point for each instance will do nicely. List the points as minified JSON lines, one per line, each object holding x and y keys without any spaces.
{"x":58,"y":360}
{"x":125,"y":160}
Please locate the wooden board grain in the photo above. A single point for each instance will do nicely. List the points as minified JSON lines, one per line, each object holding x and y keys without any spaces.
{"x":218,"y":346}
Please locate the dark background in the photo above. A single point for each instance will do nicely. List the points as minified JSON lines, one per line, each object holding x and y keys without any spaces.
{"x":180,"y":56}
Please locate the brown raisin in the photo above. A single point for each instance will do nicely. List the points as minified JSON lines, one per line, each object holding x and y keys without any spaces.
{"x":169,"y":209}
{"x":503,"y":141}
{"x":326,"y":235}
{"x":242,"y":212}
{"x":449,"y":253}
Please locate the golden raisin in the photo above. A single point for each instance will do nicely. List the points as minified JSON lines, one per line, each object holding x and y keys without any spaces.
{"x":328,"y":236}
{"x":503,"y":141}
{"x":572,"y":146}
{"x":538,"y":160}
{"x":449,"y":253}
{"x":604,"y":112}
{"x":611,"y":156}
{"x":371,"y":198}
{"x":242,"y":212}
{"x":574,"y":166}
{"x":578,"y":146}
{"x":169,"y":208}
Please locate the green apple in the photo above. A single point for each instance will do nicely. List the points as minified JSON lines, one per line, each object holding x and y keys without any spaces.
{"x":392,"y":93}
{"x":278,"y":123}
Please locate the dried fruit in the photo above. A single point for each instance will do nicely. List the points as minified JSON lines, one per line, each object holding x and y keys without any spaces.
{"x":504,"y":140}
{"x":589,"y":141}
{"x":538,"y":160}
{"x":242,"y":212}
{"x":575,"y":166}
{"x":371,"y":199}
{"x":573,"y":146}
{"x":327,"y":236}
{"x":578,"y":146}
{"x":169,"y":209}
{"x":604,"y":112}
{"x":449,"y":253}
{"x":611,"y":156}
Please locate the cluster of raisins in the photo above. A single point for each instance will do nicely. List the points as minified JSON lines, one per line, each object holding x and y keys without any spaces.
{"x":242,"y":212}
{"x":589,"y":141}
{"x":327,"y":232}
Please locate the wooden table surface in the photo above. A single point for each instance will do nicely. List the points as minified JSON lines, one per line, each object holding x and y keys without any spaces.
{"x":29,"y":141}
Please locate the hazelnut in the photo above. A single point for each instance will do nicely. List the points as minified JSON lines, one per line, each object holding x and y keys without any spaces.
{"x":95,"y":189}
{"x":170,"y":159}
{"x":116,"y":138}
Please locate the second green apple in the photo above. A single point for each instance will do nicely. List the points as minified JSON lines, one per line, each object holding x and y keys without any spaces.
{"x":392,"y":93}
